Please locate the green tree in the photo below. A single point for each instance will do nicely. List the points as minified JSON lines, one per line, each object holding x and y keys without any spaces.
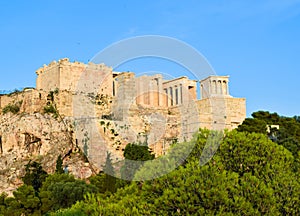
{"x":249,"y":175}
{"x":59,"y":165}
{"x":288,"y":134}
{"x":110,"y":180}
{"x":24,"y":202}
{"x":98,"y":181}
{"x":253,"y":126}
{"x":297,"y":118}
{"x":272,"y":164}
{"x":271,"y":118}
{"x":35,"y":175}
{"x":48,"y":200}
{"x":134,"y":153}
{"x":105,"y":181}
{"x":2,"y":203}
{"x":63,"y":190}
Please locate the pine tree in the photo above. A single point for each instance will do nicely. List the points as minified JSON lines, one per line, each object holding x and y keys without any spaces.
{"x":35,"y":175}
{"x":59,"y":168}
{"x":135,"y":155}
{"x":109,"y":180}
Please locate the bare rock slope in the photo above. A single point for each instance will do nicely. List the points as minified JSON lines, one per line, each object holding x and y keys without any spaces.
{"x":38,"y":137}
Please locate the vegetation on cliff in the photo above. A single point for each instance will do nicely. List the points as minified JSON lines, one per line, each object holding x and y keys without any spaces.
{"x":14,"y":108}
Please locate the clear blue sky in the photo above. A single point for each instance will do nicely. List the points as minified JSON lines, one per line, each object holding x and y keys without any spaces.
{"x":256,"y":42}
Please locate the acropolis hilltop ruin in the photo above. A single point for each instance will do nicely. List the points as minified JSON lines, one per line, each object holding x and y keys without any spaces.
{"x":127,"y":108}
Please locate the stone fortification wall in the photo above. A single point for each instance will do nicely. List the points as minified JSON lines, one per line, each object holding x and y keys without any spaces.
{"x":149,"y":90}
{"x":71,"y":76}
{"x":221,"y":112}
{"x":126,"y":95}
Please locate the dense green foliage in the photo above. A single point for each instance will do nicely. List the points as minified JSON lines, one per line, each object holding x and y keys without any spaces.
{"x":62,"y":190}
{"x":109,"y":179}
{"x":253,"y":172}
{"x":58,"y":191}
{"x":249,"y":175}
{"x":25,"y":201}
{"x":105,"y":181}
{"x":288,"y":134}
{"x":35,"y":175}
{"x":135,"y":155}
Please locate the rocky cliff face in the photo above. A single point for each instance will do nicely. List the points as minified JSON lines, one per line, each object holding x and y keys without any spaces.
{"x":39,"y":137}
{"x":28,"y":133}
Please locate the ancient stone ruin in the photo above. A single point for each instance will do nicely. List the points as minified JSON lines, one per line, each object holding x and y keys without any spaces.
{"x":98,"y":110}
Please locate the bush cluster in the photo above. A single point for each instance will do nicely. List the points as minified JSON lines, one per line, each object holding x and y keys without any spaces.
{"x":13,"y":108}
{"x":50,"y":109}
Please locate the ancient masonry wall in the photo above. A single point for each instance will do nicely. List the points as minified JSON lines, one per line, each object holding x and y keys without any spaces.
{"x":62,"y":75}
{"x":221,"y":112}
{"x":149,"y":90}
{"x":126,"y":96}
{"x":94,"y":93}
{"x":34,"y":101}
{"x":74,"y":77}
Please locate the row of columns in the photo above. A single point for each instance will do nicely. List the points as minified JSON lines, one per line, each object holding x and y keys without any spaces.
{"x":219,"y":87}
{"x":173,"y":95}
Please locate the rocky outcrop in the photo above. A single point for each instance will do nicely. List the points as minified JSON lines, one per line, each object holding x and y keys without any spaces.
{"x":39,"y":137}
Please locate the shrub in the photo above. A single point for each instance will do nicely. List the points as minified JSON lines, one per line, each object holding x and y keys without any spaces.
{"x":51,"y":109}
{"x":13,"y":108}
{"x":56,"y":91}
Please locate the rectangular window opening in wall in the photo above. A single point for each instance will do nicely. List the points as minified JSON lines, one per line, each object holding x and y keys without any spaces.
{"x":192,"y":92}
